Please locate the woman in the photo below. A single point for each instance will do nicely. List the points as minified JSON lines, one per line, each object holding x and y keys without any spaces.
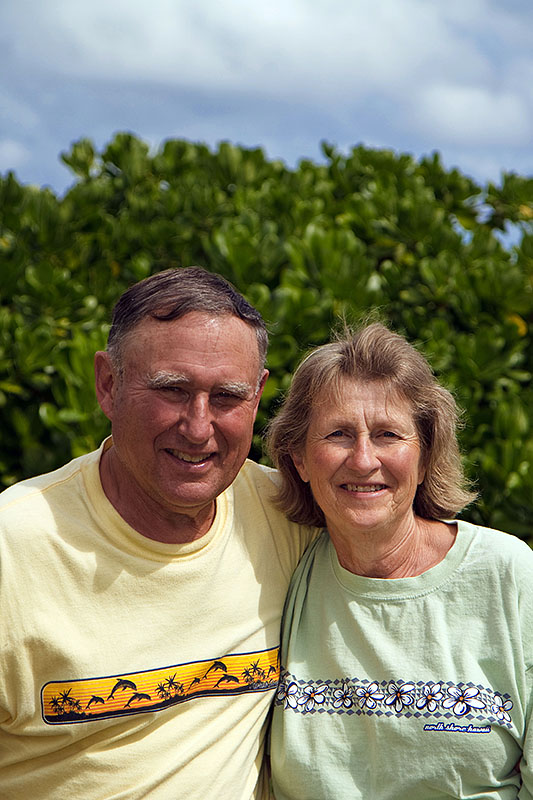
{"x":407,"y":644}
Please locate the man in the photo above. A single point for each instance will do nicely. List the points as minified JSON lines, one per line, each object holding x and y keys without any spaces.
{"x":142,"y":585}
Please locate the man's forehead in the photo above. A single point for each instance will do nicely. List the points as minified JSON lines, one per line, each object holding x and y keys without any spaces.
{"x":201,"y":329}
{"x":193,"y":333}
{"x":198,"y":347}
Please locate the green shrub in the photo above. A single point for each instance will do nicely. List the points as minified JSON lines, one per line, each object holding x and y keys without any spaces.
{"x":367,"y":232}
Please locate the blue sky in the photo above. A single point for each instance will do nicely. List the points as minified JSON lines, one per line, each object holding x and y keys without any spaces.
{"x":412,"y":75}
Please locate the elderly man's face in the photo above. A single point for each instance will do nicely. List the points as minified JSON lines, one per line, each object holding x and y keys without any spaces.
{"x":182,"y":411}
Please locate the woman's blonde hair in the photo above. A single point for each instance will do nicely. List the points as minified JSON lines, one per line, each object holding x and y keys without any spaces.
{"x":372,"y":353}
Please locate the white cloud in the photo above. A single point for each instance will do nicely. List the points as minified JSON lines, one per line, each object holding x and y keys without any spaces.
{"x":13,"y":154}
{"x":510,"y":22}
{"x":460,"y":114}
{"x":486,"y":163}
{"x":520,"y":76}
{"x":15,"y":112}
{"x":412,"y":74}
{"x":310,"y":46}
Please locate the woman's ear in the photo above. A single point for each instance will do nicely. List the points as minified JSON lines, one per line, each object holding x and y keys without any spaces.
{"x":299,"y":462}
{"x":422,"y":469}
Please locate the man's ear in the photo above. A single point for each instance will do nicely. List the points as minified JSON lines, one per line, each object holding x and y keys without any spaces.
{"x":105,"y":382}
{"x":260,"y":390}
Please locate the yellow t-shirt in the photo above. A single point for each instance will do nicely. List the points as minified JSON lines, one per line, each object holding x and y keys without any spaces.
{"x":130,"y":668}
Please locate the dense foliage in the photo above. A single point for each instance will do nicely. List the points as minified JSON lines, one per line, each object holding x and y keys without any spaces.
{"x":427,"y":248}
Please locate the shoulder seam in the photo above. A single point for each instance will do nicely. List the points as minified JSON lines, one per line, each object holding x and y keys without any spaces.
{"x":40,"y":491}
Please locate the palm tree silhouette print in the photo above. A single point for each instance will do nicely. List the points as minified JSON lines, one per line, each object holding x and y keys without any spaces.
{"x":57,"y":706}
{"x":171,"y":682}
{"x":65,"y":704}
{"x":162,"y":691}
{"x":257,"y":670}
{"x":65,"y":697}
{"x":247,"y":675}
{"x":173,"y":687}
{"x":254,"y":674}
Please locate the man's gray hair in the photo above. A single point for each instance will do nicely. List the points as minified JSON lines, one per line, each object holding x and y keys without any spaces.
{"x":171,"y":294}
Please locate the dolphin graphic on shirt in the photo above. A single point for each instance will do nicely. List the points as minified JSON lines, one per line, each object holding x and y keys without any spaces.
{"x":121,"y":685}
{"x":137,"y":696}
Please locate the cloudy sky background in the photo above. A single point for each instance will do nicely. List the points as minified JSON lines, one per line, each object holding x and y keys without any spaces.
{"x":412,"y":75}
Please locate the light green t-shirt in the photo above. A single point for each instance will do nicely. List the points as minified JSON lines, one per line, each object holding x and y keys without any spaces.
{"x":409,"y":689}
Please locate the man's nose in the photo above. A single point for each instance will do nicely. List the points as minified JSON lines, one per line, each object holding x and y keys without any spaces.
{"x":195,"y":422}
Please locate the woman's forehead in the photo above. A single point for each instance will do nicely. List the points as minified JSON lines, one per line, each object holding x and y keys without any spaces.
{"x":345,"y":390}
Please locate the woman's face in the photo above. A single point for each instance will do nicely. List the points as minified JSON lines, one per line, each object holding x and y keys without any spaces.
{"x":362,"y":459}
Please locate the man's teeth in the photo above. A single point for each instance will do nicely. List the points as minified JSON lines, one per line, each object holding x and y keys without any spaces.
{"x":354,"y":487}
{"x":190,"y":459}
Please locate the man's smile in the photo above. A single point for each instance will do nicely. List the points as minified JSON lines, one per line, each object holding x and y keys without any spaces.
{"x":188,"y":457}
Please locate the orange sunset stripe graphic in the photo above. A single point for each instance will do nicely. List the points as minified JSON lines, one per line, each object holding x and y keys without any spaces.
{"x":64,"y":702}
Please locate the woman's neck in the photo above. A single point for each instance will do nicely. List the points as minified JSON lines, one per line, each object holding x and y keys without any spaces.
{"x":372,"y":554}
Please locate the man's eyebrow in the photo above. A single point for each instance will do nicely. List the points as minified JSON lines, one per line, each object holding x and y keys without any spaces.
{"x":162,"y":380}
{"x":240,"y":389}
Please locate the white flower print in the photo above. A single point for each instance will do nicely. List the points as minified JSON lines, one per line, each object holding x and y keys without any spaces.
{"x":282,"y":692}
{"x":432,"y":695}
{"x":500,"y":708}
{"x":311,"y":696}
{"x":369,"y":696}
{"x":342,"y":697}
{"x":461,"y":701}
{"x":400,"y":695}
{"x":287,"y":693}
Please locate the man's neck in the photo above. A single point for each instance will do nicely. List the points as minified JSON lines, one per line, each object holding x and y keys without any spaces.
{"x":147,"y":517}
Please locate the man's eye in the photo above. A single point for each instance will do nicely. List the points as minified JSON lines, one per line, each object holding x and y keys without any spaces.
{"x":390,"y":435}
{"x":226,"y":397}
{"x":174,"y":390}
{"x":335,"y":434}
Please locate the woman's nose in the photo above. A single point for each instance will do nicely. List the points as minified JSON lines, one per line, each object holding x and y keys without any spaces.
{"x":362,"y":457}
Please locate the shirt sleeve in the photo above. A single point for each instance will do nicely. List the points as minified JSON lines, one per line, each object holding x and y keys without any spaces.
{"x":526,"y":762}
